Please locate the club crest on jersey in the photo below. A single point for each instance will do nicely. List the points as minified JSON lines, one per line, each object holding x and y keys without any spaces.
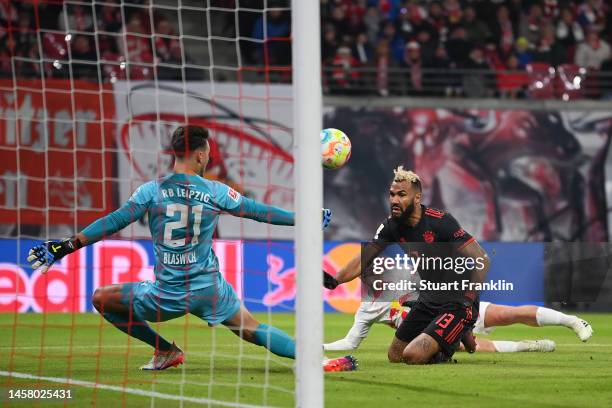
{"x":233,"y":194}
{"x":428,"y":237}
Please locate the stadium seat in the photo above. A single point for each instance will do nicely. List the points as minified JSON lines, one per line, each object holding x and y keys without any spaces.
{"x":541,"y":80}
{"x":570,"y":82}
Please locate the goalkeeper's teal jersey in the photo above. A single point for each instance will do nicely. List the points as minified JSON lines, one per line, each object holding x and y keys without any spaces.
{"x":183,"y":213}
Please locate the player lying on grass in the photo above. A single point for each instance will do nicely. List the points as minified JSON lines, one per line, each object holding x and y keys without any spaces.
{"x":440,"y":318}
{"x":183,"y":210}
{"x":491,"y":315}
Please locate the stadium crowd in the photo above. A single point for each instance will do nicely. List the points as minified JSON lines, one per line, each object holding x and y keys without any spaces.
{"x":508,"y":48}
{"x":86,"y":37}
{"x":493,"y":45}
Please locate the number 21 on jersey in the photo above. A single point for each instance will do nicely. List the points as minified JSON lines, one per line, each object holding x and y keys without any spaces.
{"x":183,"y":210}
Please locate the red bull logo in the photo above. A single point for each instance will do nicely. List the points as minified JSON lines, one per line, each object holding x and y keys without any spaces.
{"x":345,"y":298}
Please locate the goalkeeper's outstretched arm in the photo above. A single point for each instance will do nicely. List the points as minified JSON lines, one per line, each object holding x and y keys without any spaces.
{"x":49,"y":252}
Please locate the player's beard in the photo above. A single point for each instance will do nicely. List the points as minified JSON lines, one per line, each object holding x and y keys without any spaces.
{"x":404,"y":214}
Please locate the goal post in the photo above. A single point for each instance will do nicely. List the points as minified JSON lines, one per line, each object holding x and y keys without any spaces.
{"x":307,"y":101}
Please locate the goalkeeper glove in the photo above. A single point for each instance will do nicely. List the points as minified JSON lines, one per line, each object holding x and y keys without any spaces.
{"x":49,"y":252}
{"x":329,"y":281}
{"x":327,"y":214}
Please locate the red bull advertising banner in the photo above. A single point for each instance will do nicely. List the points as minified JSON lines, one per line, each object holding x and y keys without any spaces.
{"x":261,"y":272}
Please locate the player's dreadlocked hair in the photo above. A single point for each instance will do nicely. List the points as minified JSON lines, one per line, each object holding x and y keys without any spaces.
{"x":400,"y":174}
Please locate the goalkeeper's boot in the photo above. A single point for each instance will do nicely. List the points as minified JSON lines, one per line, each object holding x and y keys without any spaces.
{"x":541,"y":346}
{"x":582,"y":328}
{"x":346,"y":363}
{"x":165,"y":359}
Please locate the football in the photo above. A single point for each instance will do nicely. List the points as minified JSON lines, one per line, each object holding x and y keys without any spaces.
{"x":335,"y":148}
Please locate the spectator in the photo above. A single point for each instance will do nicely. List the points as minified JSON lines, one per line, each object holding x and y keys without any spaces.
{"x":276,"y":49}
{"x":438,"y":21}
{"x":344,"y":75}
{"x":593,"y":52}
{"x":79,"y":18}
{"x":25,"y":36}
{"x":84,"y":59}
{"x":436,"y":80}
{"x":503,"y":31}
{"x":362,"y":51}
{"x":477,"y":77}
{"x":512,"y":81}
{"x":476,"y":30}
{"x":548,"y":50}
{"x":414,"y":62}
{"x":167,"y":45}
{"x":338,"y":20}
{"x":531,"y":24}
{"x":458,"y":47}
{"x":492,"y":56}
{"x":109,"y":18}
{"x":569,"y":32}
{"x":412,"y":19}
{"x":372,"y":22}
{"x":427,"y":44}
{"x":329,"y":46}
{"x":108,"y":21}
{"x":523,"y":51}
{"x":396,"y":42}
{"x":137,"y":50}
{"x":454,"y":13}
{"x":592,"y":14}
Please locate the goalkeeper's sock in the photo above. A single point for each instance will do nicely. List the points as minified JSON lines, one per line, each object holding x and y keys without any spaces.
{"x":275,"y":340}
{"x":138,"y":329}
{"x":550,"y":317}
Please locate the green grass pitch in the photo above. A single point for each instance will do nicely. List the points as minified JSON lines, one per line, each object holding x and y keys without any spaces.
{"x":220,"y":367}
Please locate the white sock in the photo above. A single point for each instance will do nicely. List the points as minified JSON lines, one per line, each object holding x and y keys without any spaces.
{"x":342,"y":344}
{"x":507,"y":346}
{"x":358,"y":332}
{"x":549,"y":317}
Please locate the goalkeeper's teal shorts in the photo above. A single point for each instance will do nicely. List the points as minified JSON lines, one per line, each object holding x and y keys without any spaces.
{"x":149,"y":301}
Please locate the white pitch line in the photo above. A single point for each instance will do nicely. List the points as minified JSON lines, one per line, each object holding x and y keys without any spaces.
{"x":135,"y":391}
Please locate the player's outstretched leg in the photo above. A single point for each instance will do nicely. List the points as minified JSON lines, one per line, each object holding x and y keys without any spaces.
{"x":502,"y":346}
{"x":244,"y":325}
{"x":112,"y":304}
{"x":498,"y":315}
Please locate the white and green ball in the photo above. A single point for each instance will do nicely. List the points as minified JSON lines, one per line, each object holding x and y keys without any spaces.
{"x":335,"y":148}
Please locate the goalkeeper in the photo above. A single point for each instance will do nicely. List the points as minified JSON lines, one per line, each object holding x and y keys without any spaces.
{"x":183,"y":211}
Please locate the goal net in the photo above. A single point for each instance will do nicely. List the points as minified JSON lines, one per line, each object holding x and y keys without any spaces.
{"x":90,"y":92}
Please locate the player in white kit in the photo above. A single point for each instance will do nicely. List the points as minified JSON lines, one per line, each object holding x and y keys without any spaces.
{"x":491,"y":315}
